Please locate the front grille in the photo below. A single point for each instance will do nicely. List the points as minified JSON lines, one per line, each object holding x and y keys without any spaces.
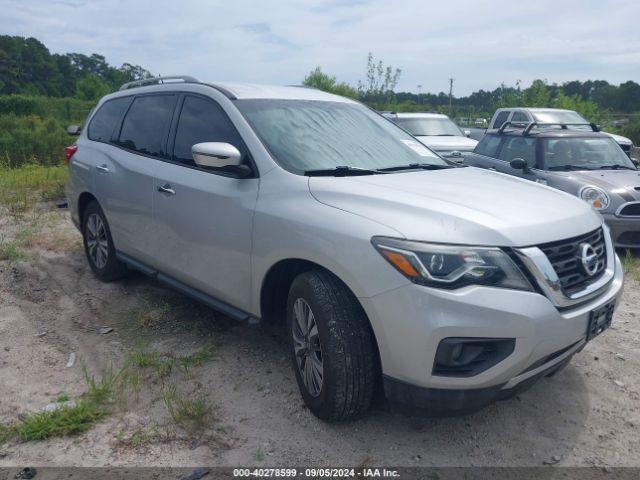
{"x":564,"y":255}
{"x":630,"y":210}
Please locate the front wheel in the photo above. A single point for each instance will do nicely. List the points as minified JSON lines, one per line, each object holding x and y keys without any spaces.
{"x":332,"y":346}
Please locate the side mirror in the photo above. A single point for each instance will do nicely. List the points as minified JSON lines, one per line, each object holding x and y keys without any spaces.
{"x":519,"y":164}
{"x":219,"y":155}
{"x":74,"y":130}
{"x":467,"y":133}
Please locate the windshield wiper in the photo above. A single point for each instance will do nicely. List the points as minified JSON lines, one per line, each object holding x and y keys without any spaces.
{"x":340,"y":171}
{"x":568,"y":167}
{"x":415,"y":166}
{"x":616,"y":167}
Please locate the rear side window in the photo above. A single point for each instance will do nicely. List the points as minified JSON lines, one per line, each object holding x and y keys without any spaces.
{"x":519,"y":117}
{"x":519,"y":147}
{"x":488,"y":145}
{"x":500,"y":119}
{"x":105,"y":120}
{"x":145,"y":127}
{"x":202,"y":120}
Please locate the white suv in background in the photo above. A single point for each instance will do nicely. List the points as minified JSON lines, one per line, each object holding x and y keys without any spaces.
{"x":436,"y":131}
{"x":449,"y":286}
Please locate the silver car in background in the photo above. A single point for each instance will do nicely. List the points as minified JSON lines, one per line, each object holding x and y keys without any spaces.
{"x":388,"y":267}
{"x":436,"y":131}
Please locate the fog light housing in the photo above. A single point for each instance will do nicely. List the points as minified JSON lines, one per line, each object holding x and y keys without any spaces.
{"x":466,"y":357}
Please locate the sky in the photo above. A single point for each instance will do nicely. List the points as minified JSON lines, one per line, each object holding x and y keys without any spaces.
{"x":479,"y":43}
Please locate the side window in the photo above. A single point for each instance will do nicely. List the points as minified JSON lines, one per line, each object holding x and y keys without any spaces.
{"x":519,"y":117}
{"x":144,"y":128}
{"x":519,"y":147}
{"x":488,"y":145}
{"x":105,"y":120}
{"x":202,"y":120}
{"x":501,"y":118}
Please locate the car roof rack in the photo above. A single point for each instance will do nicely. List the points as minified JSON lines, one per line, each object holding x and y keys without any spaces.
{"x":563,"y":126}
{"x":512,"y":124}
{"x":159,"y":80}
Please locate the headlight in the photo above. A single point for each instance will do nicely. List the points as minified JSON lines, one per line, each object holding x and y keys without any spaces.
{"x":594,"y":196}
{"x":451,"y":266}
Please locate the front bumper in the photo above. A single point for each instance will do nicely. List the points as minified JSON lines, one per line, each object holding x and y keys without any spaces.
{"x":409,"y":323}
{"x":625,"y":232}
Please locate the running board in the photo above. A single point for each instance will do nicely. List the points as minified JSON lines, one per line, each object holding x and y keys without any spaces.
{"x":198,"y":295}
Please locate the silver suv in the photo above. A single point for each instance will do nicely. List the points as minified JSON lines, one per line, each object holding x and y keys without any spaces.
{"x":448,"y":286}
{"x":437,"y":132}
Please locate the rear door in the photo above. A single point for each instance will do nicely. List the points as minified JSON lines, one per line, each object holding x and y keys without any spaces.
{"x":125,"y":179}
{"x":203,"y":225}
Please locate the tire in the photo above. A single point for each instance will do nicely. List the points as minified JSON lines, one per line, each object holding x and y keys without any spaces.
{"x":100,"y":251}
{"x":344,"y":343}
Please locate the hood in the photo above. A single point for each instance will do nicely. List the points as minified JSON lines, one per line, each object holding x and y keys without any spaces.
{"x":619,"y":138}
{"x":624,"y":182}
{"x":460,"y":205}
{"x":448,"y":143}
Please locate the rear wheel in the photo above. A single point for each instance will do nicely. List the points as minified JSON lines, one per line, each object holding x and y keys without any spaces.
{"x":98,"y":245}
{"x":332,"y":347}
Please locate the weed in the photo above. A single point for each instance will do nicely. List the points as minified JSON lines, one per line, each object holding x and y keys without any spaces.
{"x":21,"y":188}
{"x":138,"y":438}
{"x":631,"y":266}
{"x":205,"y":354}
{"x":7,"y":431}
{"x":11,"y":251}
{"x":191,"y":413}
{"x":63,"y":397}
{"x":259,"y":455}
{"x":61,"y":422}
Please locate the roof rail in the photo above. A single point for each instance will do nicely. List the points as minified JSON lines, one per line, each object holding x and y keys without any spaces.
{"x":159,"y":80}
{"x":512,"y":124}
{"x":563,"y":126}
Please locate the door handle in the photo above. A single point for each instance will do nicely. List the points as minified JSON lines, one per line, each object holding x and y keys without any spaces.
{"x":166,"y":189}
{"x":103,"y":168}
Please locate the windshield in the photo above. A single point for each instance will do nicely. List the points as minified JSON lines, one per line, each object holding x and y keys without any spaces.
{"x":305,"y":135}
{"x":584,"y":153}
{"x":429,"y":126}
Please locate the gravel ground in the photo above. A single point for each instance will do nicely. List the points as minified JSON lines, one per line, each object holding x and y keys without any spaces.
{"x":52,"y":306}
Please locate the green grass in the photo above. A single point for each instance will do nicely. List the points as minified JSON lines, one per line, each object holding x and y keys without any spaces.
{"x":189,"y":413}
{"x":631,"y":266}
{"x":61,"y":422}
{"x":11,"y":251}
{"x":63,"y":397}
{"x":90,"y":408}
{"x":21,"y":188}
{"x":163,"y":365}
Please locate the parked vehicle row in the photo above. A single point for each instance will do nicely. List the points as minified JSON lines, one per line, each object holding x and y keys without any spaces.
{"x":450,"y":286}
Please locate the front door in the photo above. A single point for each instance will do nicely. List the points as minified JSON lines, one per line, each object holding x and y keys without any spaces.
{"x":203,"y":219}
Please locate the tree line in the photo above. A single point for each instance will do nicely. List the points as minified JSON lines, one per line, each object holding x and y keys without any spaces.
{"x":27,"y":67}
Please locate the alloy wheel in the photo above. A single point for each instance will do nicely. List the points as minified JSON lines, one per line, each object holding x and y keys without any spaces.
{"x":97,"y":242}
{"x":307,"y":348}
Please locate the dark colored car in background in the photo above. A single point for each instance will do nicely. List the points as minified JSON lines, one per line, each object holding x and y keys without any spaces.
{"x":586,"y":163}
